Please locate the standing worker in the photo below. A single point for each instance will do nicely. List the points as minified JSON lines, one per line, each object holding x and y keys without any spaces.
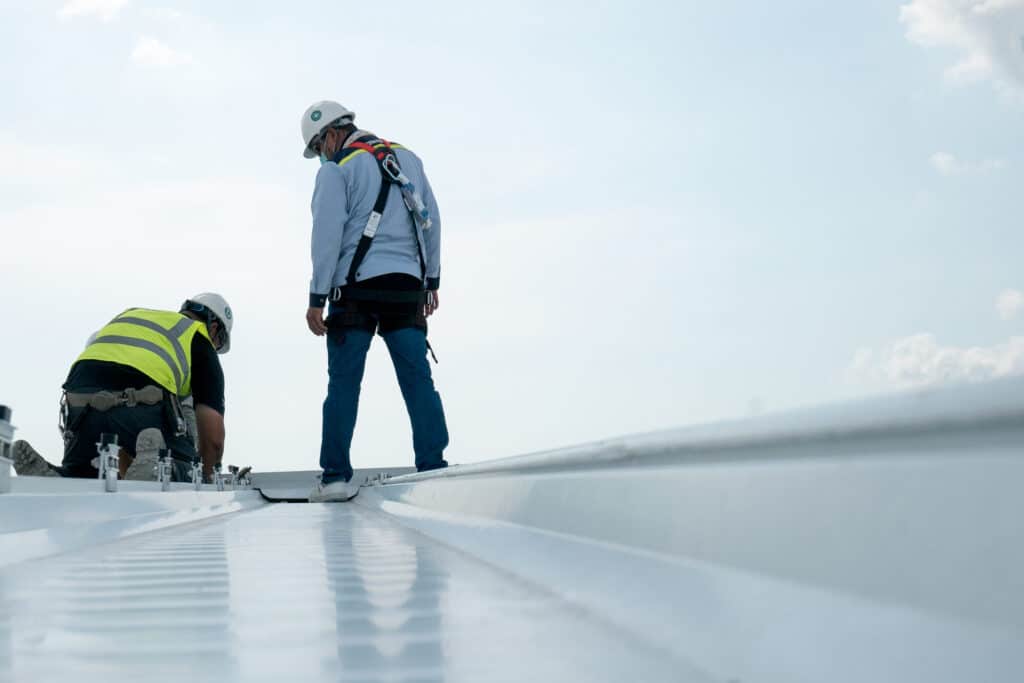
{"x":130,"y":381}
{"x":376,"y":258}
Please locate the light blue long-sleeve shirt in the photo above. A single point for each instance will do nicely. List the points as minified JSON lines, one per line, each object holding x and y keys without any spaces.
{"x":342,"y":201}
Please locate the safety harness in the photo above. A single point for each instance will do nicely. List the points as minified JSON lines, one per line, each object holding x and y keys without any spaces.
{"x":390,"y":175}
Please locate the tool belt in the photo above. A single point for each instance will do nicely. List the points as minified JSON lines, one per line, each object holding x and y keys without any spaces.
{"x":105,"y":400}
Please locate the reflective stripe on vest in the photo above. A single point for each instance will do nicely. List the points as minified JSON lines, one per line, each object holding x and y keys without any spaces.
{"x":156,"y":343}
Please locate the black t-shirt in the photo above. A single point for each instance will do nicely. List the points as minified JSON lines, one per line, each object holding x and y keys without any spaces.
{"x":101,"y":375}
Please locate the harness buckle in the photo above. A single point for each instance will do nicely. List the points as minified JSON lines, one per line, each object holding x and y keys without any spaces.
{"x":389,"y":165}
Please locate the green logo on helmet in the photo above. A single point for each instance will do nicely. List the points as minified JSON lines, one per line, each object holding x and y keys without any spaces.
{"x":315,"y":115}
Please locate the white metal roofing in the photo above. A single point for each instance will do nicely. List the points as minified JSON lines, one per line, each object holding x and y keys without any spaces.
{"x":880,"y":541}
{"x":298,"y":592}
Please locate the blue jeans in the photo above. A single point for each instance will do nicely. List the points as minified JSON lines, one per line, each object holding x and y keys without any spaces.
{"x":346,"y":359}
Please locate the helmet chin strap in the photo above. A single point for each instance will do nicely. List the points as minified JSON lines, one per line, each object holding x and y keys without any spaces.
{"x":218,"y":336}
{"x":207,"y":308}
{"x":207,"y":317}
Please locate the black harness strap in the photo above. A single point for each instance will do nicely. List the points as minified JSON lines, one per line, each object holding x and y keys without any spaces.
{"x":365,"y":240}
{"x":383,"y":153}
{"x":385,"y":295}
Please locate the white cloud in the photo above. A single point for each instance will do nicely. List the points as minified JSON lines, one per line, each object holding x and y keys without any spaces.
{"x":104,"y":9}
{"x":947,"y":164}
{"x":163,"y":14}
{"x":1010,"y":303}
{"x":985,"y":34}
{"x":919,"y":360}
{"x":151,"y":52}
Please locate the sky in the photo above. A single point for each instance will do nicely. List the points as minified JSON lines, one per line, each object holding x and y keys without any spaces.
{"x":654,"y":214}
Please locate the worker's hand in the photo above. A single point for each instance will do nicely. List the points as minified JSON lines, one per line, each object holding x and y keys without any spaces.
{"x":315,"y":320}
{"x":432,"y":303}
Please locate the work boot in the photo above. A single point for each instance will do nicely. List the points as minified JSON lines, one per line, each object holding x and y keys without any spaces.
{"x":335,"y":492}
{"x":147,"y":453}
{"x":28,"y":463}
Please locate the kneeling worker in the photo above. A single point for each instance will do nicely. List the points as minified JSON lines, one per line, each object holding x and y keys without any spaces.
{"x":130,"y":381}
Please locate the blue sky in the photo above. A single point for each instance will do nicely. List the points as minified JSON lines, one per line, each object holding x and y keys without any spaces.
{"x":654,"y":214}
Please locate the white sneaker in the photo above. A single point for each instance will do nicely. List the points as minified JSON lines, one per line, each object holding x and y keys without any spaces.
{"x":335,"y":492}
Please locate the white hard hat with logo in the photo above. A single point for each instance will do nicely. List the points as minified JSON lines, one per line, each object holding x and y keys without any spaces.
{"x":218,"y":307}
{"x":319,"y":116}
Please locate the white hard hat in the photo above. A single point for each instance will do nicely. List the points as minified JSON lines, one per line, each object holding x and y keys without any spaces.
{"x":318,"y":116}
{"x":218,"y":307}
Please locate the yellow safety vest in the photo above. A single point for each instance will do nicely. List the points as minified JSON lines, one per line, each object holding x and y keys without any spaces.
{"x":156,"y":343}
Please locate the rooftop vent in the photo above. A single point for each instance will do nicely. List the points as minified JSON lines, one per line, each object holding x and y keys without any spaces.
{"x":6,"y":432}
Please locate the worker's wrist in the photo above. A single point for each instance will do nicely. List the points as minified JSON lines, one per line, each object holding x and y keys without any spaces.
{"x":317,"y":300}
